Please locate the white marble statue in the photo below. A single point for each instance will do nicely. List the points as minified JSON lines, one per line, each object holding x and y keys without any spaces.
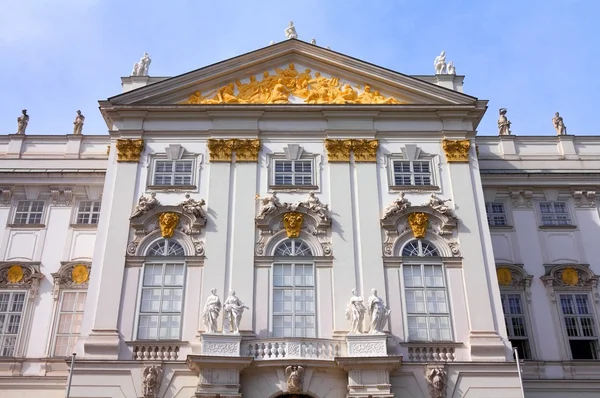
{"x":233,"y":309}
{"x":212,"y":309}
{"x":78,"y":123}
{"x":141,"y":67}
{"x":294,"y":375}
{"x":290,"y":31}
{"x":22,"y":122}
{"x":398,"y":205}
{"x":451,"y":69}
{"x":503,"y":122}
{"x":559,"y":124}
{"x":145,"y":204}
{"x":269,"y":204}
{"x":440,"y":64}
{"x":378,"y":313}
{"x":313,"y":203}
{"x":313,"y":41}
{"x":193,"y":206}
{"x":355,"y":313}
{"x":271,"y":42}
{"x":152,"y":376}
{"x":439,"y":204}
{"x":436,"y":379}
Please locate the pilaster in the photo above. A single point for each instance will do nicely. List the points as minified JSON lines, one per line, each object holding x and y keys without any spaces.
{"x":566,"y":146}
{"x":15,"y":146}
{"x":507,"y":147}
{"x":73,"y":146}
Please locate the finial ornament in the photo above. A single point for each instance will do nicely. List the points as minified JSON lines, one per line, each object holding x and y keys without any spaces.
{"x":141,"y":67}
{"x":503,"y":122}
{"x":78,"y":123}
{"x":290,"y":31}
{"x":22,"y":122}
{"x":559,"y":124}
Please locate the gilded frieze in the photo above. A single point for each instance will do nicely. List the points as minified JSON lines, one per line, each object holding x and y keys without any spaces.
{"x":129,"y":150}
{"x":289,"y":82}
{"x":221,"y":150}
{"x":364,"y":150}
{"x":456,"y":150}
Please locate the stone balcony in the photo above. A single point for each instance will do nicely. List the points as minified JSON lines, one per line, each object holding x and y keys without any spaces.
{"x":272,"y":349}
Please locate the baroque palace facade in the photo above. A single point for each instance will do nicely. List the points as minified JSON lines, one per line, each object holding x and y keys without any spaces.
{"x":296,"y":222}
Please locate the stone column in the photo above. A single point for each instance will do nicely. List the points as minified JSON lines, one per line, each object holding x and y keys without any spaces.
{"x":104,"y":292}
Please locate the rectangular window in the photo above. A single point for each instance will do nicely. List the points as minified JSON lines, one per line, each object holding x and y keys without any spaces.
{"x":293,"y":172}
{"x":12,"y":305}
{"x":88,"y":212}
{"x":514,"y":317}
{"x":427,"y":303}
{"x":68,"y":328}
{"x":161,"y":302}
{"x":293,"y":300}
{"x":173,"y":172}
{"x":412,"y":172}
{"x":554,"y":213}
{"x":496,"y":215}
{"x":580,"y":325}
{"x":29,"y":212}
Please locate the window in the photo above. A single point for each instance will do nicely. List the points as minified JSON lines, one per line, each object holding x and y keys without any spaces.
{"x":88,"y":212}
{"x":68,"y":328}
{"x":173,"y":172}
{"x":514,"y":316}
{"x":428,"y":312}
{"x":293,"y":293}
{"x":29,"y":212}
{"x":496,"y":215}
{"x":12,"y":305}
{"x":580,"y":325}
{"x":554,"y":213}
{"x":161,"y":300}
{"x":412,"y":172}
{"x":293,"y":172}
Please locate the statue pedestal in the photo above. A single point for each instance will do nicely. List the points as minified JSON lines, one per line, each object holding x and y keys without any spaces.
{"x":367,"y":345}
{"x":221,"y":344}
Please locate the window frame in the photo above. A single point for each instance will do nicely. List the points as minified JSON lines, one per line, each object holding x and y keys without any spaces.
{"x":13,"y":216}
{"x":195,"y":174}
{"x":23,"y":322}
{"x":293,"y":174}
{"x":76,"y":213}
{"x":55,"y":333}
{"x":506,"y":213}
{"x":526,"y":320}
{"x":313,"y":158}
{"x":563,"y":326}
{"x":568,"y":211}
{"x":433,"y":161}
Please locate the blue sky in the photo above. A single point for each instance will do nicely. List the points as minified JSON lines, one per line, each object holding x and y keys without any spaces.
{"x":534,"y":57}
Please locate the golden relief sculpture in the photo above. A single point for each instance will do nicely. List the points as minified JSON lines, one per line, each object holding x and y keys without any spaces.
{"x":80,"y":274}
{"x":570,"y":277}
{"x":15,"y":274}
{"x":277,"y":89}
{"x":221,"y":150}
{"x":293,"y":223}
{"x":418,"y":224}
{"x":339,"y":150}
{"x":168,"y":222}
{"x":129,"y":150}
{"x":504,"y":276}
{"x":456,"y":150}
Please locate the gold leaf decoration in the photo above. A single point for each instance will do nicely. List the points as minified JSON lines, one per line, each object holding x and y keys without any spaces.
{"x":365,"y":150}
{"x":129,"y":150}
{"x":277,"y":89}
{"x":15,"y":274}
{"x":293,"y":223}
{"x":570,"y":277}
{"x":80,"y":274}
{"x":456,"y":150}
{"x":168,"y":222}
{"x":504,"y":276}
{"x":221,"y":150}
{"x":339,"y":150}
{"x":418,"y":224}
{"x":247,"y":150}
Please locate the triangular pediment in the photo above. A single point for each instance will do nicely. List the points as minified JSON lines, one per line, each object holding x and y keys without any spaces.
{"x":292,"y":72}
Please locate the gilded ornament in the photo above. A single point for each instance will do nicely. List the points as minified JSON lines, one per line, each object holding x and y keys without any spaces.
{"x":168,"y":222}
{"x":292,"y":223}
{"x":364,"y":150}
{"x":456,"y":150}
{"x":221,"y":150}
{"x":107,"y":150}
{"x":570,"y":277}
{"x":129,"y":150}
{"x":277,"y":89}
{"x":247,"y":150}
{"x":504,"y":276}
{"x":338,"y":150}
{"x":15,"y":274}
{"x":418,"y":224}
{"x":80,"y":274}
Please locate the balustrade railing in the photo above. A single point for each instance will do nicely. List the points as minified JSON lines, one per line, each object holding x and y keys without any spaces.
{"x":155,"y":352}
{"x":272,"y":349}
{"x":430,"y":354}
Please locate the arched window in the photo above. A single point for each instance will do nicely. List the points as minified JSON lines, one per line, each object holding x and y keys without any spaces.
{"x":419,"y":248}
{"x":293,"y":291}
{"x":161,"y":298}
{"x":165,"y":247}
{"x":293,"y":247}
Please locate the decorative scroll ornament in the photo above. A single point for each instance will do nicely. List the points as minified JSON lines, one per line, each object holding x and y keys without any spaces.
{"x":290,"y":86}
{"x":505,"y":277}
{"x":222,"y":150}
{"x":293,"y":223}
{"x":168,"y":222}
{"x":364,"y":150}
{"x":129,"y":150}
{"x":80,"y":274}
{"x":418,"y":224}
{"x":21,"y":276}
{"x":15,"y":274}
{"x":456,"y":150}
